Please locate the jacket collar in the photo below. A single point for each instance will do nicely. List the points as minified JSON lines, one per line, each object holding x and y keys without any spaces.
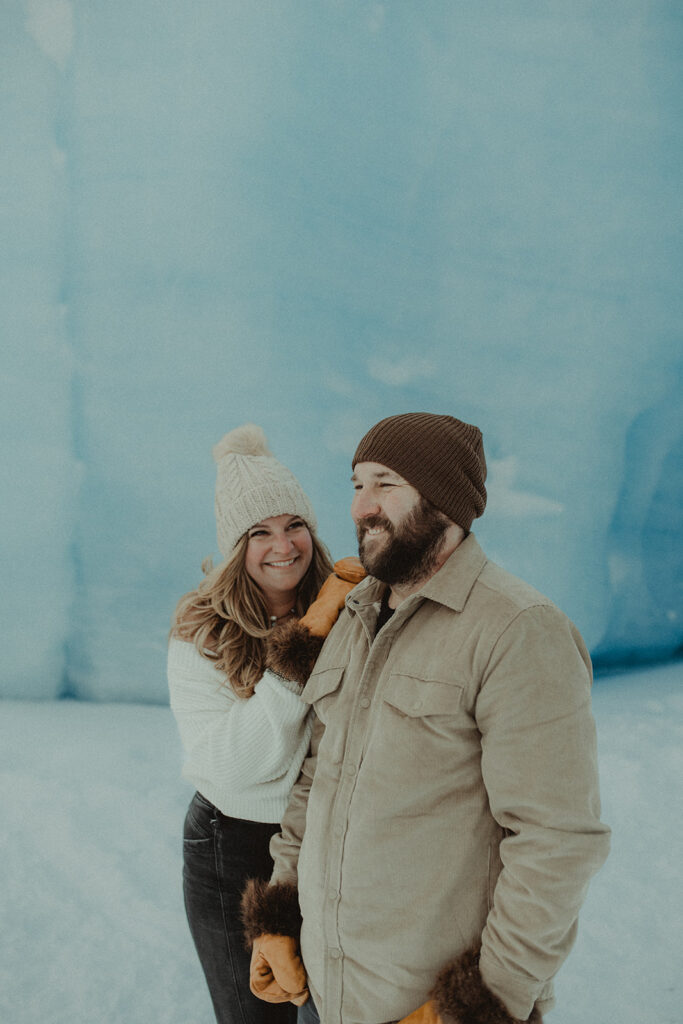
{"x":450,"y":586}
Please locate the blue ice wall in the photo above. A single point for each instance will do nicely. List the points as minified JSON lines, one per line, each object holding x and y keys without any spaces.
{"x":311,"y":215}
{"x":39,"y":469}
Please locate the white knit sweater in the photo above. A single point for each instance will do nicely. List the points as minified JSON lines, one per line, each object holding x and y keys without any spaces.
{"x":244,"y":756}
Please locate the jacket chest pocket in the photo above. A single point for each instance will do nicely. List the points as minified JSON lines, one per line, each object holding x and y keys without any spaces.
{"x":424,"y":747}
{"x":424,"y":718}
{"x":422,"y":698}
{"x":322,"y":690}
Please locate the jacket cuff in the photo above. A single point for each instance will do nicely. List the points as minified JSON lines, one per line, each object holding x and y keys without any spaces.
{"x":462,"y":997}
{"x":292,"y":651}
{"x":270,"y":910}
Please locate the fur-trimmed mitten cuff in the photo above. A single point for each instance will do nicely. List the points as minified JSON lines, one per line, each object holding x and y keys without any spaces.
{"x":461,"y":996}
{"x":270,"y":910}
{"x":292,"y":650}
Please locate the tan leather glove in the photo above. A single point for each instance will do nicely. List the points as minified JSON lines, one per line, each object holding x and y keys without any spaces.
{"x":323,"y":613}
{"x":425,"y":1014}
{"x":277,"y":974}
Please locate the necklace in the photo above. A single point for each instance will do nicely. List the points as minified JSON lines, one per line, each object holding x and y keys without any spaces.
{"x":277,"y":618}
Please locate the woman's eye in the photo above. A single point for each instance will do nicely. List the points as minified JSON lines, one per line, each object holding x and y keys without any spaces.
{"x":258,"y":533}
{"x":298,"y":525}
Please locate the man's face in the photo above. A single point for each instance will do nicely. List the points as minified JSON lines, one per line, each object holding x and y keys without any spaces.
{"x":400,"y":533}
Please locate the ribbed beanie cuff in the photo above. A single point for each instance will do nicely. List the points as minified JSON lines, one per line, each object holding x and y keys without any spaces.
{"x":442,"y":457}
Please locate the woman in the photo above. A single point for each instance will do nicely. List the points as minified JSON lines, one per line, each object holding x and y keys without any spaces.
{"x":244,"y":729}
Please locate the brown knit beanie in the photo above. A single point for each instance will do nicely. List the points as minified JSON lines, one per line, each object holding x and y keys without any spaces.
{"x":443,"y":458}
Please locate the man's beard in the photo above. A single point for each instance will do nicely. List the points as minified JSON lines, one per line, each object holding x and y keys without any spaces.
{"x":410,"y":551}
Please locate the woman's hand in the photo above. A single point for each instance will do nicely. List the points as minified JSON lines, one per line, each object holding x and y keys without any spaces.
{"x":323,"y":613}
{"x":293,"y":647}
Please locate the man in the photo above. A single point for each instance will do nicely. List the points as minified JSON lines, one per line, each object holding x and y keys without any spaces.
{"x":443,"y":832}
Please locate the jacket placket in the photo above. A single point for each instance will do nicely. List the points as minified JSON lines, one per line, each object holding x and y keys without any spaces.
{"x":365,"y":697}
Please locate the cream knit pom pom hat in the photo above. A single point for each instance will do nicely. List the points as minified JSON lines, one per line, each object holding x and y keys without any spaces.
{"x":251,"y":485}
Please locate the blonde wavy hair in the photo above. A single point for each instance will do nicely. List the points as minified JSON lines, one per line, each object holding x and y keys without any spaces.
{"x":227,"y":619}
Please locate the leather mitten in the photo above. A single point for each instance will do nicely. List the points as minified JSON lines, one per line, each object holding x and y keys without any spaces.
{"x":272,"y":922}
{"x":425,"y":1014}
{"x":428,"y":1014}
{"x":292,"y":648}
{"x":277,"y":974}
{"x":323,"y":613}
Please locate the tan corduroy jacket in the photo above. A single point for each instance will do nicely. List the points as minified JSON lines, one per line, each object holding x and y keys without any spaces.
{"x":451,"y":796}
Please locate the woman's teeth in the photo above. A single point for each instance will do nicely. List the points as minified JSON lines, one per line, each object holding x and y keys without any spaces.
{"x":282,"y":565}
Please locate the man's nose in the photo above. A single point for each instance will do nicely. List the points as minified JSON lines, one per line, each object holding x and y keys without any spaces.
{"x":364,"y":505}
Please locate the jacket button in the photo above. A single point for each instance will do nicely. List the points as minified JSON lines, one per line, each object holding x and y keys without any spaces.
{"x":335,"y":954}
{"x":365,"y":703}
{"x":350,"y":769}
{"x":417,"y":705}
{"x":332,"y":894}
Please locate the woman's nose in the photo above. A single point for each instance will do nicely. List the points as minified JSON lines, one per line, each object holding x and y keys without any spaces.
{"x":282,"y":542}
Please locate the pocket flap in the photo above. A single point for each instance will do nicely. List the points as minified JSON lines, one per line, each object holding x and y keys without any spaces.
{"x":322,"y":682}
{"x":421,"y":697}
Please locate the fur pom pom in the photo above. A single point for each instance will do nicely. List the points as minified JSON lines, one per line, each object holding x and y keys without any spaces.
{"x":270,"y":909}
{"x":292,"y":651}
{"x":461,"y":996}
{"x":246,"y":440}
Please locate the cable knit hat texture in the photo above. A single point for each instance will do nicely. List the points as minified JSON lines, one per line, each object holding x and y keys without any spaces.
{"x":251,"y":485}
{"x":442,"y":457}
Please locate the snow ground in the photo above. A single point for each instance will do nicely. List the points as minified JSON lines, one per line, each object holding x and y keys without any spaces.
{"x":93,"y":928}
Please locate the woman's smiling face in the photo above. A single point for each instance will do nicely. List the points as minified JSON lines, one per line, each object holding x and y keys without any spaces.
{"x":279,"y":552}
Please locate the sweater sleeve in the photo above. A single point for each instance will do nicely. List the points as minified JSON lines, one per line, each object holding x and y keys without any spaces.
{"x":235,"y":741}
{"x":286,"y":845}
{"x":539,"y":764}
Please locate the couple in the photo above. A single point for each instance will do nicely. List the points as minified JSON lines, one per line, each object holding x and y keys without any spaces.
{"x":443,"y":823}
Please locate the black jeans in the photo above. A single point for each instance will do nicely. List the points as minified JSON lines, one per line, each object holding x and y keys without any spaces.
{"x":308,"y":1013}
{"x":219,"y":855}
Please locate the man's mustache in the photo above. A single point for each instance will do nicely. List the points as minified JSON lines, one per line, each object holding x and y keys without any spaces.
{"x":370,"y":522}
